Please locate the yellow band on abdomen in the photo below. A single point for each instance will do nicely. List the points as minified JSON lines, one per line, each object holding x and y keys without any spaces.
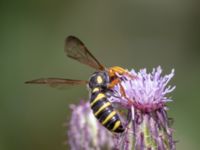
{"x":102,"y":108}
{"x":99,"y":96}
{"x":117,"y":124}
{"x":109,"y":117}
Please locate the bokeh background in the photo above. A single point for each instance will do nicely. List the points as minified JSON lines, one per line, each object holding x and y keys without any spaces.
{"x":132,"y":34}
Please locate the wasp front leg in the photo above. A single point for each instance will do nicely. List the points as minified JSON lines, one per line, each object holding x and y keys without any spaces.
{"x":115,"y":82}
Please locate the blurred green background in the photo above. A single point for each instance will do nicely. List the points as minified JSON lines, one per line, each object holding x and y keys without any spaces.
{"x":132,"y":34}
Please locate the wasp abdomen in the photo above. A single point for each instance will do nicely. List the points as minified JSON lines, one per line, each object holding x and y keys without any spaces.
{"x":104,"y":111}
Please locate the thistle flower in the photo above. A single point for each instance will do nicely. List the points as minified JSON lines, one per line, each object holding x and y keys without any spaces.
{"x":149,"y":127}
{"x":85,"y":132}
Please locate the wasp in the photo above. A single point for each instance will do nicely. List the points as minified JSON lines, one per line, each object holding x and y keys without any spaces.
{"x":100,"y":83}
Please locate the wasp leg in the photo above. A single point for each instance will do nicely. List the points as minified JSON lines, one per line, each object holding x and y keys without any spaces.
{"x":113,"y":83}
{"x":130,"y":75}
{"x":122,"y":91}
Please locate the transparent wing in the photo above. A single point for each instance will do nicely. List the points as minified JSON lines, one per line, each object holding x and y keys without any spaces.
{"x":77,"y":50}
{"x":57,"y":82}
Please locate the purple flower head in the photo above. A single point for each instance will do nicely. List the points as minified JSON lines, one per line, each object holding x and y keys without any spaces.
{"x":145,"y":97}
{"x":146,"y":92}
{"x":85,"y":132}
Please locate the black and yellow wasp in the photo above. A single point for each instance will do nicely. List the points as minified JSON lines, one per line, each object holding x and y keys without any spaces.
{"x":100,"y":83}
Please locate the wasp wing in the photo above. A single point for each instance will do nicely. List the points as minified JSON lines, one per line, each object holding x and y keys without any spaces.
{"x":57,"y":82}
{"x":77,"y":50}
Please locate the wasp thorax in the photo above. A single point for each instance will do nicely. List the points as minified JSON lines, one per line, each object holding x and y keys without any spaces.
{"x":99,"y":79}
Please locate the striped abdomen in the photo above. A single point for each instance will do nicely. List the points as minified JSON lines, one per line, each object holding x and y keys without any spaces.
{"x":104,"y":111}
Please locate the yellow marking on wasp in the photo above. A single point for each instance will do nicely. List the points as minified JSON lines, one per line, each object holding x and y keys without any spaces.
{"x":118,"y":69}
{"x":117,"y":124}
{"x":102,"y":108}
{"x":109,"y":117}
{"x":99,"y":79}
{"x":99,"y":96}
{"x":95,"y":90}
